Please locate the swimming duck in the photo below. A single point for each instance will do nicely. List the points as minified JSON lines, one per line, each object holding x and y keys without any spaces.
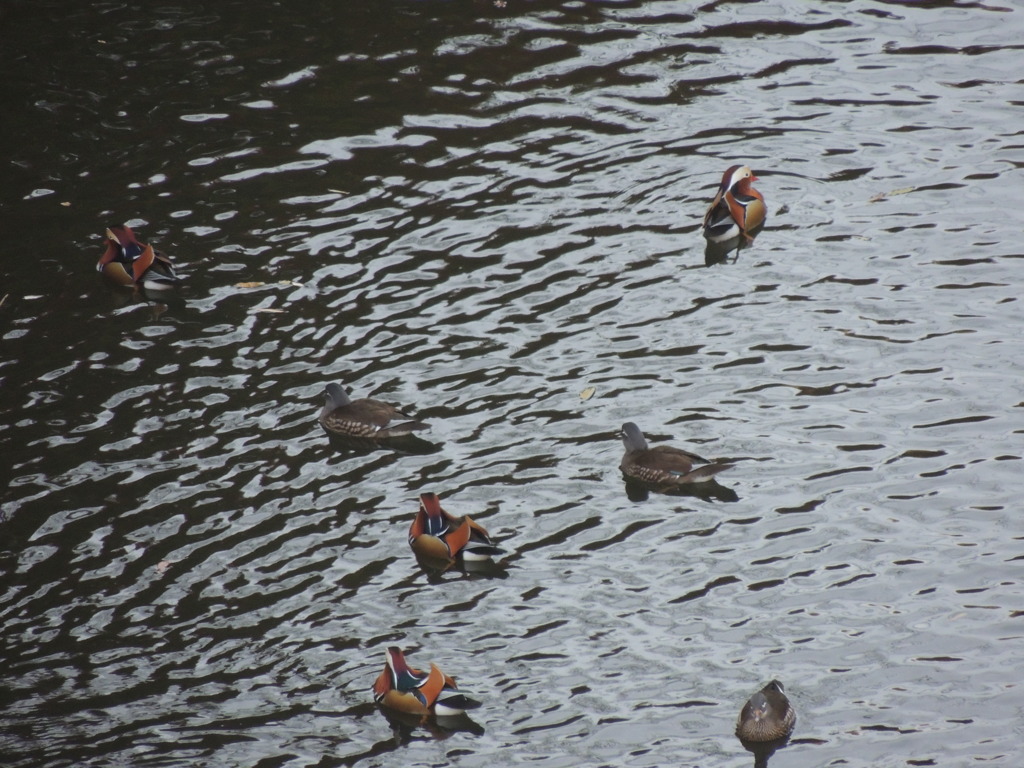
{"x":662,"y":465}
{"x":364,"y":418}
{"x":126,"y":261}
{"x":767,"y":715}
{"x":738,"y":209}
{"x":436,"y":536}
{"x":405,"y":689}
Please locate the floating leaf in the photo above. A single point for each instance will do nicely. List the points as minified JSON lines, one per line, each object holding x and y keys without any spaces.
{"x":162,"y":566}
{"x":66,"y":204}
{"x":588,"y":393}
{"x":269,"y":309}
{"x":290,"y":282}
{"x":255,"y":284}
{"x":882,"y":195}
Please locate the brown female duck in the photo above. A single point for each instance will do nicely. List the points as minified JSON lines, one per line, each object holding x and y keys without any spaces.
{"x":662,"y":465}
{"x":363,"y":418}
{"x":767,"y":715}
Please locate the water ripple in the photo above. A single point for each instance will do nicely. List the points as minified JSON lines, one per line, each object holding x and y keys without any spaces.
{"x":478,"y":212}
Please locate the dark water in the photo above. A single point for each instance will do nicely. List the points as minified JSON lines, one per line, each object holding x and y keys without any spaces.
{"x":478,"y":212}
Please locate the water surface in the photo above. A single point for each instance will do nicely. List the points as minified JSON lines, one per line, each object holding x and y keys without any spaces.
{"x":478,"y":210}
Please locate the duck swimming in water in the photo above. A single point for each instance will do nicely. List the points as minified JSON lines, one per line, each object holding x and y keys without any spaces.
{"x":738,"y":210}
{"x":129,"y":262}
{"x":662,"y":465}
{"x":409,"y":690}
{"x":438,"y":537}
{"x":363,"y":418}
{"x":767,"y":715}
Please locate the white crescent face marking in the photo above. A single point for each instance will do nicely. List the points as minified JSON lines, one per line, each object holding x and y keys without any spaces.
{"x":738,"y":175}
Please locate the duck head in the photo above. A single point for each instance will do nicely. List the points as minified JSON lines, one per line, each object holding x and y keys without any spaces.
{"x":737,"y":178}
{"x":335,"y":397}
{"x":632,"y":438}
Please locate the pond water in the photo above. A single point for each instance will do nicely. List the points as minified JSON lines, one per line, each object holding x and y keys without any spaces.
{"x":479,"y":210}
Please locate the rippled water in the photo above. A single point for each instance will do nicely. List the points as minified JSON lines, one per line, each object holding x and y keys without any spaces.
{"x":478,"y":210}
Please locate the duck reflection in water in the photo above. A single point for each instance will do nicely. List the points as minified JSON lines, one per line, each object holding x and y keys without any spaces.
{"x":442,"y":542}
{"x":735,"y":217}
{"x":668,"y":470}
{"x":365,"y":424}
{"x":404,"y":725}
{"x":766,"y":722}
{"x":411,"y":698}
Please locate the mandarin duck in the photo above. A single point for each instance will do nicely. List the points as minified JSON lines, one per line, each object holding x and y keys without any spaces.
{"x":662,"y":465}
{"x":128,"y":262}
{"x":737,"y":210}
{"x":363,"y":418}
{"x":406,"y":689}
{"x":438,"y":537}
{"x":767,"y":715}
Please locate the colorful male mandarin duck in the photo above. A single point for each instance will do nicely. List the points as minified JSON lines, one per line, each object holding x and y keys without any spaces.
{"x":439,"y":537}
{"x":363,"y":418}
{"x":737,"y":210}
{"x":662,"y":465}
{"x":405,"y":689}
{"x":128,"y":262}
{"x":767,"y":715}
